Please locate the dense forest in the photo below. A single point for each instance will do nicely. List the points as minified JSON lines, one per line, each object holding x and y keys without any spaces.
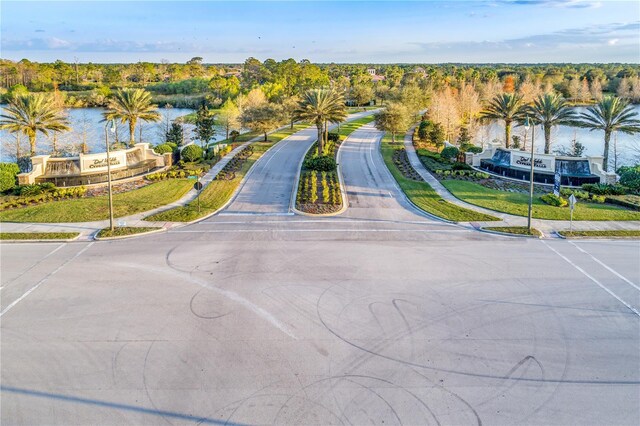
{"x":188,"y":84}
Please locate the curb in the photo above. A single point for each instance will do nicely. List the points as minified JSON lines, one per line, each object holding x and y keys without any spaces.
{"x":122,"y":237}
{"x":59,"y":240}
{"x":508,"y":234}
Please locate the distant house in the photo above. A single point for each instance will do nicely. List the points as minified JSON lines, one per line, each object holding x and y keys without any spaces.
{"x":375,"y":77}
{"x":233,"y":72}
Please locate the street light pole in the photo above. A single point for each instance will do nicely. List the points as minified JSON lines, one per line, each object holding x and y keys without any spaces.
{"x":106,"y":141}
{"x":533,"y":136}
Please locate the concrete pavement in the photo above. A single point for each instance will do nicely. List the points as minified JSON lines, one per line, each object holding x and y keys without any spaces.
{"x":379,"y":315}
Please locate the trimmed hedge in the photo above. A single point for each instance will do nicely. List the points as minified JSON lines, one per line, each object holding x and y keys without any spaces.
{"x":163,"y":149}
{"x":191,"y":153}
{"x":8,"y":172}
{"x":323,"y":163}
{"x":554,"y":200}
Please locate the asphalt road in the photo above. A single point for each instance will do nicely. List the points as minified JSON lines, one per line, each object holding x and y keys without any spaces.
{"x":379,"y":315}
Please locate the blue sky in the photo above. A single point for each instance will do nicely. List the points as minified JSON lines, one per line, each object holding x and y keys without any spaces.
{"x":325,"y":31}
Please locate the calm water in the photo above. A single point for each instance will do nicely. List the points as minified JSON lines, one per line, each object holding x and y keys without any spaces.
{"x":87,"y":122}
{"x":562,"y":136}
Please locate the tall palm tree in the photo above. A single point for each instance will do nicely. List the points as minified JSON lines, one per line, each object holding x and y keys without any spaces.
{"x":129,"y":106}
{"x":550,"y":110}
{"x":321,"y":106}
{"x":611,"y":114}
{"x":507,"y":107}
{"x":33,"y":113}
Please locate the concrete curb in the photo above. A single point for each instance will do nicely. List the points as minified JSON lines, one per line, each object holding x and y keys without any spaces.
{"x":508,"y":234}
{"x":60,"y":240}
{"x":123,"y":237}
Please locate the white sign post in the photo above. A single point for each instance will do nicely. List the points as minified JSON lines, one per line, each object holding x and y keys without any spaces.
{"x":572,"y":204}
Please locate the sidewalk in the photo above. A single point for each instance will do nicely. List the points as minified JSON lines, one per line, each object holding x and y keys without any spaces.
{"x":548,"y":227}
{"x":87,"y":229}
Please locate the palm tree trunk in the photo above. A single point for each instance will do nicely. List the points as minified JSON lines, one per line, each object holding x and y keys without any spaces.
{"x":326,"y":131}
{"x":18,"y":146}
{"x":265,"y":137}
{"x":393,"y":137}
{"x":132,"y":132}
{"x":319,"y":127}
{"x":507,"y":133}
{"x":605,"y":160}
{"x":547,"y":138}
{"x":32,"y":143}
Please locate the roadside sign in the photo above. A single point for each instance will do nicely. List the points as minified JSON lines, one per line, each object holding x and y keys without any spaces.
{"x":572,"y":204}
{"x":197,"y":186}
{"x":556,"y":184}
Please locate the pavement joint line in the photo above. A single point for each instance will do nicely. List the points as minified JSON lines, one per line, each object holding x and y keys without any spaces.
{"x":37,"y":263}
{"x":602,"y":286}
{"x":327,"y":220}
{"x":42,"y":281}
{"x":435,"y":231}
{"x":613,"y":271}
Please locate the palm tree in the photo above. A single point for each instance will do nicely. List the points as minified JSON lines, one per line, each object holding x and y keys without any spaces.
{"x":129,"y":106}
{"x":507,"y":107}
{"x":550,"y":110}
{"x":33,"y":113}
{"x":611,"y":114}
{"x":321,"y":106}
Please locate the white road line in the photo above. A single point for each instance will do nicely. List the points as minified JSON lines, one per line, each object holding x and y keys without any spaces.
{"x":606,"y":266}
{"x":38,"y":262}
{"x":328,"y":220}
{"x":42,"y":281}
{"x":631,"y":308}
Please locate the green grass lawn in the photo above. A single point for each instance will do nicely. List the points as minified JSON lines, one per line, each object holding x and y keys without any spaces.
{"x":517,"y":230}
{"x":423,"y":195}
{"x":122,"y":231}
{"x":518,"y":204}
{"x":96,"y":208}
{"x":612,"y":233}
{"x":38,"y":235}
{"x":218,"y":192}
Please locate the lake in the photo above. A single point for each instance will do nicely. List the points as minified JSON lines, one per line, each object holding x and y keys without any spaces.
{"x":562,"y":136}
{"x":88,"y":121}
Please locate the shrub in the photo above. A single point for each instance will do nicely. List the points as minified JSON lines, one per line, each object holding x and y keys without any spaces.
{"x":429,"y":154}
{"x":598,"y":199}
{"x":554,"y":200}
{"x":604,"y":189}
{"x":163,"y":149}
{"x":323,"y":163}
{"x":191,"y":153}
{"x":8,"y":172}
{"x":334,"y":137}
{"x":566,"y":192}
{"x":471,"y":148}
{"x":630,"y":177}
{"x":461,"y":166}
{"x":449,"y":153}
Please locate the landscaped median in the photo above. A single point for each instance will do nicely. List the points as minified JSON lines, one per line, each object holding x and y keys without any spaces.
{"x":420,"y":192}
{"x":38,"y":235}
{"x":319,"y":184}
{"x":215,"y":195}
{"x":617,"y":233}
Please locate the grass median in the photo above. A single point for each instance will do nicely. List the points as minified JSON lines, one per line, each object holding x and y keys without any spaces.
{"x":518,"y":204}
{"x":219,"y":192}
{"x":423,"y":195}
{"x":516,"y":230}
{"x":38,"y":235}
{"x":123,"y":231}
{"x":96,"y":208}
{"x":620,"y":233}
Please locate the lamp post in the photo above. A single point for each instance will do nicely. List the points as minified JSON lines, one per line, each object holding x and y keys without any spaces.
{"x":106,"y":141}
{"x":531,"y":124}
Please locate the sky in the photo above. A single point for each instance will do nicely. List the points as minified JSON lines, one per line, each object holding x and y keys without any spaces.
{"x":511,"y":31}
